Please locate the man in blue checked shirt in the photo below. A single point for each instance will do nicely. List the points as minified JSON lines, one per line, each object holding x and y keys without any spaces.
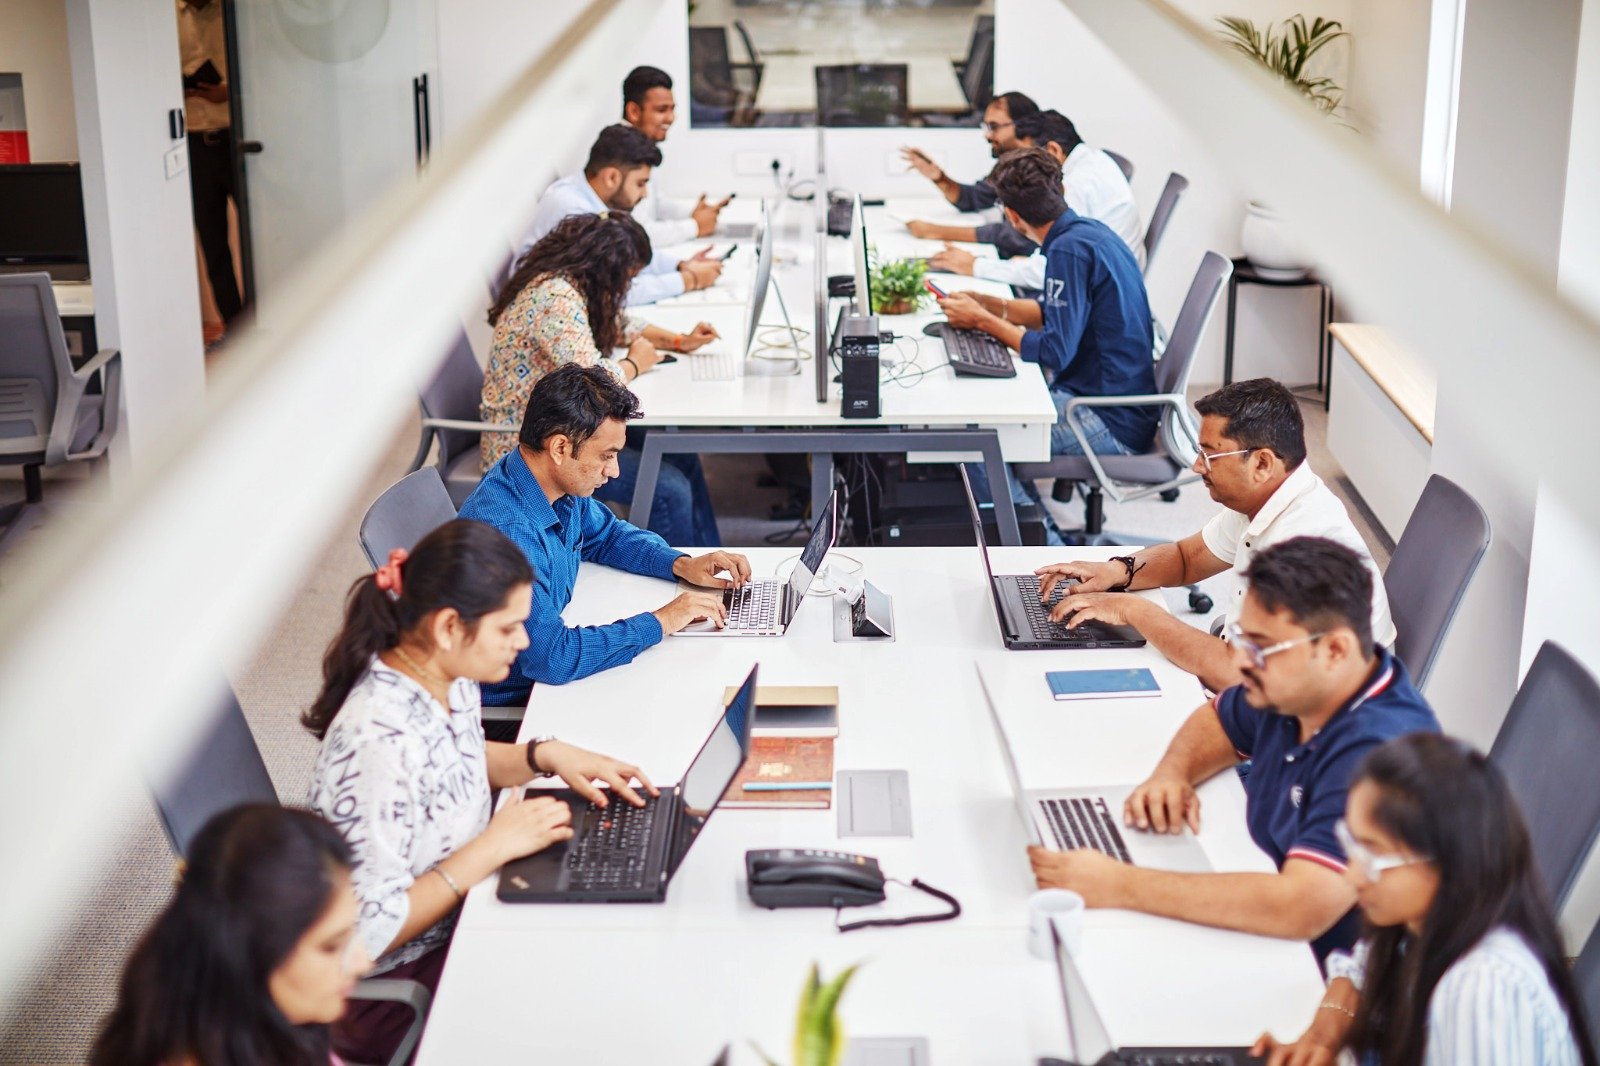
{"x":541,"y":496}
{"x":1318,"y":695}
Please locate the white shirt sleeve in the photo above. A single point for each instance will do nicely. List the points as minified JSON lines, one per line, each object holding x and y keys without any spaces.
{"x":671,"y":231}
{"x":1024,"y":271}
{"x":657,"y":281}
{"x":1482,"y":1015}
{"x":1223,"y":533}
{"x":1351,"y":965}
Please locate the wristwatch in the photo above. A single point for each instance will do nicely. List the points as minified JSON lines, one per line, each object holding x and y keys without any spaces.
{"x":533,"y":764}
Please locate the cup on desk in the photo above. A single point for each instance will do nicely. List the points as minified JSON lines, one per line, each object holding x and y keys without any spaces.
{"x":1062,"y":908}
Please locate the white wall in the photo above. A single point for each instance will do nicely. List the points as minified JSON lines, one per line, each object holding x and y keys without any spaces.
{"x":33,"y":43}
{"x":1579,"y":268}
{"x":1388,"y":76}
{"x":125,"y":77}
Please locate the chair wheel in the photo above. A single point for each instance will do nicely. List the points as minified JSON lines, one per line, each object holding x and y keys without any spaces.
{"x":1061,"y":491}
{"x":1200,"y":603}
{"x":1169,"y":496}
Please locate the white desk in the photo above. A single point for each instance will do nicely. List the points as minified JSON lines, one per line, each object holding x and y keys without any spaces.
{"x":938,"y":413}
{"x":673,"y":982}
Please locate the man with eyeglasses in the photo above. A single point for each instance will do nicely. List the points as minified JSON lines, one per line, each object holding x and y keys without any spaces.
{"x":1000,"y":130}
{"x":1316,"y":694}
{"x":1253,"y":460}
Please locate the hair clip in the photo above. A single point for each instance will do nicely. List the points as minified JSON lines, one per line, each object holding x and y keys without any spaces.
{"x":387,"y":576}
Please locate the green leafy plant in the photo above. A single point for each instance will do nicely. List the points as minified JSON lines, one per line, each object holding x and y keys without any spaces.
{"x":897,"y":284}
{"x":818,"y":1038}
{"x":1288,"y":51}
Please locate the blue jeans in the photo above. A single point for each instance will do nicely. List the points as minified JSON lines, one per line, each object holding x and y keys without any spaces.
{"x":1062,"y":442}
{"x":681,"y":512}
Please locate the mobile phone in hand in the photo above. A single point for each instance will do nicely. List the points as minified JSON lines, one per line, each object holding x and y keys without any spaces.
{"x":667,"y":358}
{"x":723,"y":258}
{"x":938,"y":292}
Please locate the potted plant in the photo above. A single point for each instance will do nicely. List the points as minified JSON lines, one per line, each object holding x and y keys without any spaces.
{"x":897,"y":287}
{"x":818,"y":1038}
{"x":1286,"y":51}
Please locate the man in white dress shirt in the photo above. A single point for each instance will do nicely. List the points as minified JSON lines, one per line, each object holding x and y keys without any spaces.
{"x":648,"y":106}
{"x":1094,"y":186}
{"x":1252,"y":458}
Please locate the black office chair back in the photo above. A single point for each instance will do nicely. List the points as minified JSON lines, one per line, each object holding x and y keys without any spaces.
{"x":32,"y":348}
{"x":709,"y":57}
{"x":750,"y":52}
{"x":1176,"y":185}
{"x":862,"y":94}
{"x":977,"y":73}
{"x":456,"y":392}
{"x":1546,"y":749}
{"x":1125,"y":165}
{"x":224,"y":771}
{"x":408,"y":510}
{"x":1172,"y":372}
{"x":1443,"y":543}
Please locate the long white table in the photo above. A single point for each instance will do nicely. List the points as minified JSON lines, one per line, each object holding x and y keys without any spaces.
{"x":676,"y":981}
{"x":927,"y":411}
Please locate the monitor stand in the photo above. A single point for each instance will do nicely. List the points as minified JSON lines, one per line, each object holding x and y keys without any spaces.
{"x":775,"y":366}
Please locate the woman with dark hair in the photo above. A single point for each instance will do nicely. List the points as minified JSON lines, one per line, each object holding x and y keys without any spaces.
{"x":405,"y":772}
{"x":1462,"y":964}
{"x":564,"y":304}
{"x":253,"y":957}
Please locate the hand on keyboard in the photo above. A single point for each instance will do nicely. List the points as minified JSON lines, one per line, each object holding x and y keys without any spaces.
{"x":581,"y":768}
{"x":522,"y":827}
{"x":1094,"y":875}
{"x":1085,"y":577}
{"x":690,"y":607}
{"x":702,"y":570}
{"x":1164,"y":804}
{"x":1112,"y":608}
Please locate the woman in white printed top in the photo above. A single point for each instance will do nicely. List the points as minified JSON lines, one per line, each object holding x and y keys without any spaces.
{"x":1462,"y":964}
{"x":405,"y":772}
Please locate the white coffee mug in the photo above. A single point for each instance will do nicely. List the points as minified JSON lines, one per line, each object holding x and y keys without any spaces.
{"x":1060,"y":907}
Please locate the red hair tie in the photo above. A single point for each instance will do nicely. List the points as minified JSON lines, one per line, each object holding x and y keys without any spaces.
{"x":388,"y":575}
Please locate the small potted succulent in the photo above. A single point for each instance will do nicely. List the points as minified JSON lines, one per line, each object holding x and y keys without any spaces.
{"x":818,"y":1037}
{"x":897,"y":287}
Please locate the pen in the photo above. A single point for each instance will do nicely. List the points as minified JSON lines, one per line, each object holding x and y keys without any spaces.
{"x":787,"y":786}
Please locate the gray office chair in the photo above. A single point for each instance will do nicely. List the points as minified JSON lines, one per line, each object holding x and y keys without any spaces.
{"x":1433,"y":562}
{"x":720,"y":90}
{"x":1586,"y":975}
{"x":226,"y":771}
{"x":450,"y":404}
{"x":1546,"y":749}
{"x":47,"y":415}
{"x":1171,"y":193}
{"x":862,"y":94}
{"x":1163,"y":469}
{"x":1125,"y":165}
{"x":977,"y":70}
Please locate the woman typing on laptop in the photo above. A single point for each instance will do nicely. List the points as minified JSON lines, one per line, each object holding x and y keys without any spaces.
{"x":405,"y":773}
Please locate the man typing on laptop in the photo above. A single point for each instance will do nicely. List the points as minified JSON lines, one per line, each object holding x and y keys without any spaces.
{"x":1316,"y":695}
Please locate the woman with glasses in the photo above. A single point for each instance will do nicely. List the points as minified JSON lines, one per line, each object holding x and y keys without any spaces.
{"x":1461,"y":963}
{"x":254,"y":956}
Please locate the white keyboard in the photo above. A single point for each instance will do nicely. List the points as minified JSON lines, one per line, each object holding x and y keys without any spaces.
{"x":712,"y":366}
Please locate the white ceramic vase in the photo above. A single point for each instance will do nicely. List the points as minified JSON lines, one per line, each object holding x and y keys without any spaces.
{"x":1270,"y":247}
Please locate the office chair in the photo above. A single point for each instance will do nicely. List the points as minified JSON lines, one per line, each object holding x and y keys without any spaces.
{"x":47,"y":416}
{"x":450,"y":406}
{"x":1586,"y":975}
{"x":862,"y":94}
{"x":1545,"y":748}
{"x":720,"y":90}
{"x":1433,"y":562}
{"x":1125,"y":165}
{"x":1162,"y":470}
{"x":977,"y":70}
{"x":1173,"y":191}
{"x":225,"y":771}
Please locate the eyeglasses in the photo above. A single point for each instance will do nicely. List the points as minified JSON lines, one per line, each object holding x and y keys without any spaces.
{"x":1372,"y":866}
{"x":996,"y":127}
{"x":1206,"y":458}
{"x":1256,"y":653}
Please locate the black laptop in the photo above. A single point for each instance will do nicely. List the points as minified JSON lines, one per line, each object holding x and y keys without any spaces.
{"x":627,"y":854}
{"x":1025,"y":621}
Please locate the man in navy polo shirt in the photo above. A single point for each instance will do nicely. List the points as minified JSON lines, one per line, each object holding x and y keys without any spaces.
{"x":1317,"y":695}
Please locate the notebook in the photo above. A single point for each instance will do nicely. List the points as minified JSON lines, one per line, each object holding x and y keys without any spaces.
{"x":1101,"y":684}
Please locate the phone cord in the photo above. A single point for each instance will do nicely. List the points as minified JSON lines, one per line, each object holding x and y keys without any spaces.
{"x":917,"y":883}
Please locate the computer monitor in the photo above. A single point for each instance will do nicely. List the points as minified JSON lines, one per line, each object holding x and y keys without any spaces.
{"x":767,"y":364}
{"x":858,"y":241}
{"x":41,"y":214}
{"x":1085,"y":1027}
{"x":820,"y":332}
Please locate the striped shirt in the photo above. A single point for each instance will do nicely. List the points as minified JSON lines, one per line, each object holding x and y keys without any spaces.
{"x":1493,"y":1007}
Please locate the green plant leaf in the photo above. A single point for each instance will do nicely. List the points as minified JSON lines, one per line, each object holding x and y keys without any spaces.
{"x":818,"y":1039}
{"x":1288,"y":52}
{"x":897,"y":280}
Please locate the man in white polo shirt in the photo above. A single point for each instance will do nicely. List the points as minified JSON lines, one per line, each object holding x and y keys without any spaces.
{"x":1252,"y":458}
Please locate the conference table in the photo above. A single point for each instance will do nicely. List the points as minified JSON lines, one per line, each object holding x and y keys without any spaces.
{"x":676,"y":982}
{"x":928,"y":412}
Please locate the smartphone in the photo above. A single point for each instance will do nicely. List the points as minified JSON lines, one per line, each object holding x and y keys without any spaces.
{"x":724,"y":256}
{"x":667,"y":358}
{"x":940,"y":293}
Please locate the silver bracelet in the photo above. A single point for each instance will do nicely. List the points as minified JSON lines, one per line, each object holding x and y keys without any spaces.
{"x":442,"y":872}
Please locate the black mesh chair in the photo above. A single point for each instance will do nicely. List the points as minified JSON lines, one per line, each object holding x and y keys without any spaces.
{"x":976,"y":72}
{"x":1546,"y":749}
{"x":862,"y":94}
{"x":225,"y":770}
{"x":1433,"y":562}
{"x":720,"y":90}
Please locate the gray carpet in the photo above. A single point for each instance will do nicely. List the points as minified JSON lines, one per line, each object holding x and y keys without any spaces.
{"x":66,"y":995}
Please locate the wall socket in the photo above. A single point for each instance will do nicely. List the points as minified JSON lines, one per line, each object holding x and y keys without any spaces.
{"x":176,"y":160}
{"x":759,"y":164}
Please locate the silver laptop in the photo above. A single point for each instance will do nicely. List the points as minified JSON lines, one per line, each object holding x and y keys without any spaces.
{"x":765,"y":607}
{"x":1068,"y":818}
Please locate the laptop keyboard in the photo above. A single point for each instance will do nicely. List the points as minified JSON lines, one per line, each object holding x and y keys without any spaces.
{"x":753,"y":605}
{"x":610,"y":849}
{"x":1174,"y":1058}
{"x":1082,"y":822}
{"x":713,"y":366}
{"x":1039,"y":614}
{"x":972,"y":352}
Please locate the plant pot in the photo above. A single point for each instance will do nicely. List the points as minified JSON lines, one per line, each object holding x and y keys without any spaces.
{"x":1270,"y":246}
{"x":903,"y":306}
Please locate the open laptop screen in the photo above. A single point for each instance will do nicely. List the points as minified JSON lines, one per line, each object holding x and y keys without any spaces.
{"x":983,"y":547}
{"x":1090,"y":1041}
{"x":815,"y":551}
{"x":713,"y":770}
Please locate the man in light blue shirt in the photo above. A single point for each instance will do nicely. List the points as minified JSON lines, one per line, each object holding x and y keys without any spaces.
{"x":542,"y":497}
{"x":616,"y":178}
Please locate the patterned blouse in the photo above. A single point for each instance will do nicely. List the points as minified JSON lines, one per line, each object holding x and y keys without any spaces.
{"x":407,"y":784}
{"x":545,"y":326}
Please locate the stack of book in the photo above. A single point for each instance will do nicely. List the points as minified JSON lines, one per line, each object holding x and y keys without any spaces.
{"x":791,"y":749}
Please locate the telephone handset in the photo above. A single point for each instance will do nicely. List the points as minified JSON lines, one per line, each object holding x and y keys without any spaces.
{"x":805,"y":877}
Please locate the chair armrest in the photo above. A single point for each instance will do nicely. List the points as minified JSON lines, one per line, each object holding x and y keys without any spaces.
{"x":413,"y":995}
{"x":469,"y":426}
{"x":70,"y":395}
{"x":96,"y":362}
{"x":1178,"y":403}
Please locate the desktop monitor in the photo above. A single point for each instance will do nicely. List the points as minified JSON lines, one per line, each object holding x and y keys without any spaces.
{"x":41,"y":220}
{"x":754,"y":351}
{"x":858,"y":241}
{"x":820,"y":332}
